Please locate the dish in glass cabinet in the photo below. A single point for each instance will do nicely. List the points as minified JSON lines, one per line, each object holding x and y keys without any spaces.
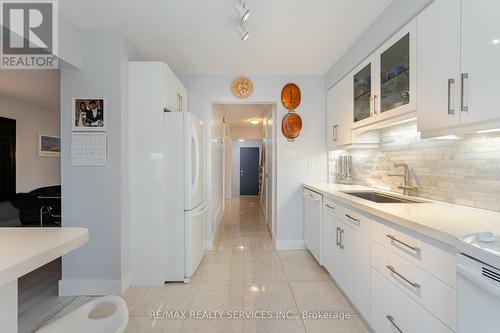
{"x":291,"y":126}
{"x":290,"y":96}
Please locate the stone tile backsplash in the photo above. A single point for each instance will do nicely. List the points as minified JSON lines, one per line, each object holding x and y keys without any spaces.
{"x":464,"y":171}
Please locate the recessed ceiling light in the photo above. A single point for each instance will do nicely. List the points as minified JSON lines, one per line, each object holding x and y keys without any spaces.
{"x":241,"y":140}
{"x":243,"y":32}
{"x":254,"y":121}
{"x":495,"y":41}
{"x":243,"y":13}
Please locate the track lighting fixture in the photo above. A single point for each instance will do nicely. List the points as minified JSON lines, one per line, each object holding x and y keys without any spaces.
{"x":243,"y":13}
{"x":244,"y":34}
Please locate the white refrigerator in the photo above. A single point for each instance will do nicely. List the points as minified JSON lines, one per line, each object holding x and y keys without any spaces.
{"x":185,"y":204}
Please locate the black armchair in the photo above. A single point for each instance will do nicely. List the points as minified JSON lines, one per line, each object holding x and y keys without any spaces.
{"x":39,"y":207}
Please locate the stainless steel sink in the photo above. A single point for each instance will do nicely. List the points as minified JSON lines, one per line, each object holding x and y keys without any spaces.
{"x":380,"y":197}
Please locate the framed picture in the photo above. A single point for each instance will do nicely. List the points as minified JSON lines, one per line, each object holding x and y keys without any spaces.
{"x":49,"y":146}
{"x":89,"y":114}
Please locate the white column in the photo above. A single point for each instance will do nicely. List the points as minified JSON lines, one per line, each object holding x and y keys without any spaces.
{"x":8,"y":307}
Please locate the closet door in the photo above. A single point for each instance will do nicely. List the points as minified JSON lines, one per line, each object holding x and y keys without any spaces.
{"x":480,"y":73}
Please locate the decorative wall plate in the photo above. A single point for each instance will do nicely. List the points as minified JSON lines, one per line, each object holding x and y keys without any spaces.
{"x":291,"y":126}
{"x":290,"y":96}
{"x":242,"y":87}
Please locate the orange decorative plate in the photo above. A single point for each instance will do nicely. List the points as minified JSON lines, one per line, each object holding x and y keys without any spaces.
{"x":291,"y":125}
{"x":290,"y":96}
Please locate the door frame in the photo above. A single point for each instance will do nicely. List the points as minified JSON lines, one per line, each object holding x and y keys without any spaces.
{"x":274,"y":176}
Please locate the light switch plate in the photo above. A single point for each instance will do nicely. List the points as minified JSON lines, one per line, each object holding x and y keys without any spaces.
{"x":289,"y":154}
{"x":311,"y":165}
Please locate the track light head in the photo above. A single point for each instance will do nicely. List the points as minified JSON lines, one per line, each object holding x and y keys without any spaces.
{"x":243,"y":13}
{"x":244,"y":34}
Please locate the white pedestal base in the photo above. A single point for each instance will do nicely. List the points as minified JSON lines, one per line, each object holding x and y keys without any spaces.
{"x":8,"y":307}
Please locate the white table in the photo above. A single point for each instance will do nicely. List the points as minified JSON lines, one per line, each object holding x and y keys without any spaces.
{"x":23,"y":250}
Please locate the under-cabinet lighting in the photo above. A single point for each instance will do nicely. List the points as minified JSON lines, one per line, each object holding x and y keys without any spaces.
{"x":489,"y":131}
{"x":448,"y":137}
{"x":241,"y":140}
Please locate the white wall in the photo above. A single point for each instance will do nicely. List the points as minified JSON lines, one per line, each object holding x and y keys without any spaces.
{"x":310,"y":146}
{"x":254,"y":133}
{"x":397,"y":14}
{"x":32,"y":171}
{"x":96,"y":197}
{"x":217,"y":130}
{"x":235,"y":165}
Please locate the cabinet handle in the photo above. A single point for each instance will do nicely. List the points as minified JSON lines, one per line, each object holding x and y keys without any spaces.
{"x":352,"y":219}
{"x":391,"y":320}
{"x":375,"y":98}
{"x":393,"y":270}
{"x":331,"y":207}
{"x":463,"y":107}
{"x":340,"y":239}
{"x":337,"y":242}
{"x":335,"y":132}
{"x":372,"y":105}
{"x":414,"y":248}
{"x":450,"y":110}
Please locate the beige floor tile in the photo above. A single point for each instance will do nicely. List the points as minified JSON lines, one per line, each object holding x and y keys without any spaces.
{"x":304,"y":270}
{"x":146,"y":325}
{"x":170,"y":297}
{"x":222,"y":271}
{"x":269,"y":296}
{"x":295,"y":254}
{"x":274,"y":326}
{"x":260,"y":254}
{"x":212,"y":326}
{"x":319,"y":296}
{"x":263,"y":271}
{"x":351,"y":325}
{"x":225,"y":252}
{"x":218,"y":296}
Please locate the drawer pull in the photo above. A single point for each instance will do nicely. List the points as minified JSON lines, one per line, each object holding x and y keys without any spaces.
{"x":331,"y":207}
{"x":391,"y":320}
{"x":414,"y":248}
{"x":337,"y":240}
{"x":340,"y":239}
{"x":393,"y":270}
{"x":353,"y":219}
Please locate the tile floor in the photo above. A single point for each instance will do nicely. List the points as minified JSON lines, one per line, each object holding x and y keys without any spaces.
{"x":244,"y":272}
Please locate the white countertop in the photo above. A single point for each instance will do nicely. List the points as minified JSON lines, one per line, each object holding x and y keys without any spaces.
{"x":439,"y":220}
{"x":23,"y":250}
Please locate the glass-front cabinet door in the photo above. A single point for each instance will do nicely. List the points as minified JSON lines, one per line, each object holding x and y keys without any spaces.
{"x":395,"y":75}
{"x":362,"y":93}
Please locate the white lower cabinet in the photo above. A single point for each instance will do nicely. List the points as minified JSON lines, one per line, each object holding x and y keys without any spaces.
{"x":394,"y":312}
{"x":398,"y":280}
{"x":313,"y":222}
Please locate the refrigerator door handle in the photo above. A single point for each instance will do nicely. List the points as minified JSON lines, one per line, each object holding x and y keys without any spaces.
{"x":195,"y":159}
{"x":201,"y":210}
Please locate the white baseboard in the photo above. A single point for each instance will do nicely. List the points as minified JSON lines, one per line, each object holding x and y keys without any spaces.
{"x":209,"y":245}
{"x":125,"y":283}
{"x":69,"y":287}
{"x":290,"y":244}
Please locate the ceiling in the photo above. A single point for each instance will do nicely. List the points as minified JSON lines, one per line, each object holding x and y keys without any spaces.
{"x":35,"y":86}
{"x":295,"y":37}
{"x":238,"y":115}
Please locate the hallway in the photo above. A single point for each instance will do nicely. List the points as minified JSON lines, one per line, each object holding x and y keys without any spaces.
{"x":244,"y":272}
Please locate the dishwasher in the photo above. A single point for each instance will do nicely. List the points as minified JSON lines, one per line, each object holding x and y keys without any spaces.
{"x":313,"y":223}
{"x":478,"y":284}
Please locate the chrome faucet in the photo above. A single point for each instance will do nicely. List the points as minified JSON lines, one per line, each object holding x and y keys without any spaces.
{"x":406,"y":186}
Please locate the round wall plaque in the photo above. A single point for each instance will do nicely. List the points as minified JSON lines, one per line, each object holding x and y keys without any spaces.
{"x":242,"y":87}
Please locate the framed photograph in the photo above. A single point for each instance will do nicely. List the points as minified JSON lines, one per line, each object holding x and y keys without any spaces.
{"x":89,"y":114}
{"x":49,"y":146}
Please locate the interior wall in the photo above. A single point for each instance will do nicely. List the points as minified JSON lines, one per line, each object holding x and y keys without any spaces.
{"x":235,"y":184}
{"x":96,"y":197}
{"x":217,"y":167}
{"x":293,"y":158}
{"x":254,"y":133}
{"x":32,"y":171}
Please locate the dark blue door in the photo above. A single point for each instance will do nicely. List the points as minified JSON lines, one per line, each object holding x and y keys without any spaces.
{"x":249,"y":171}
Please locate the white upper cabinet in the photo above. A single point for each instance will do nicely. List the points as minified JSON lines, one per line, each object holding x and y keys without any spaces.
{"x":480,"y":73}
{"x":384,"y":84}
{"x":176,"y":93}
{"x":458,"y":71}
{"x":438,"y":64}
{"x":339,"y":123}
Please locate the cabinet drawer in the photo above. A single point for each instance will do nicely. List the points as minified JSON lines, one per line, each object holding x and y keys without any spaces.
{"x":432,"y":256}
{"x":391,"y":307}
{"x":433,"y":294}
{"x":353,"y":219}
